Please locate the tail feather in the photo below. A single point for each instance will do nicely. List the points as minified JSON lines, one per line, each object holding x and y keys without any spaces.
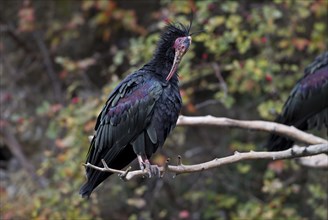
{"x":86,"y":190}
{"x":114,"y":159}
{"x":92,"y":183}
{"x":278,"y":143}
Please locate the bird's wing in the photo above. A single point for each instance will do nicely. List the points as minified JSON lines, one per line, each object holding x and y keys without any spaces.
{"x":307,"y":104}
{"x":308,"y":98}
{"x":126,"y":114}
{"x":319,"y":120}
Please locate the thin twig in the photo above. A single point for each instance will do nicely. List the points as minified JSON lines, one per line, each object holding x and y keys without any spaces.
{"x":218,"y":75}
{"x":165,"y":167}
{"x":104,"y":169}
{"x":294,"y":152}
{"x":6,"y":28}
{"x":55,"y":82}
{"x":179,"y":160}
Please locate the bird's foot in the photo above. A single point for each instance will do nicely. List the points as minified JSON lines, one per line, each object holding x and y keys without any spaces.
{"x":152,"y":170}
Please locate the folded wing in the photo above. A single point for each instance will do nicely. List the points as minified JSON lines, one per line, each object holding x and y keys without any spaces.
{"x":124,"y":119}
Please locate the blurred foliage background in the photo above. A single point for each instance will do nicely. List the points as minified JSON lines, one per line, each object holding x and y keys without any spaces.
{"x":60,"y":59}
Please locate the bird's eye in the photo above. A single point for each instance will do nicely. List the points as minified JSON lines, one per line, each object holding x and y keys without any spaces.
{"x":177,"y":42}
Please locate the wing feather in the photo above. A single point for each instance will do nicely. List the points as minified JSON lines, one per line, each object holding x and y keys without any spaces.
{"x":307,"y":104}
{"x":124,"y":118}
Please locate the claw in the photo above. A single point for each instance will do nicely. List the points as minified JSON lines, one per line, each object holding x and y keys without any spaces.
{"x":152,"y":170}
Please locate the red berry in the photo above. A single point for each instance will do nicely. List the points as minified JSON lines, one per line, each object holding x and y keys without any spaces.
{"x":268,"y":77}
{"x":211,"y":6}
{"x":184,"y":214}
{"x":20,"y":120}
{"x":204,"y":56}
{"x":205,"y":21}
{"x":75,"y":100}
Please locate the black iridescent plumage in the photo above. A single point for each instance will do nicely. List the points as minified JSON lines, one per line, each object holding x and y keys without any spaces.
{"x":139,"y":114}
{"x":307,"y":104}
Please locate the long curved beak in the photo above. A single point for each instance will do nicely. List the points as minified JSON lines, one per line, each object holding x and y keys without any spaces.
{"x":179,"y":52}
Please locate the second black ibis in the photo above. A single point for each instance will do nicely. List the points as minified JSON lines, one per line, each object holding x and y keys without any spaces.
{"x":307,"y":105}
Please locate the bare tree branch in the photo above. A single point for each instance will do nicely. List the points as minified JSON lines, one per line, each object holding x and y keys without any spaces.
{"x":294,"y":152}
{"x":317,"y":146}
{"x":50,"y":70}
{"x":316,"y":161}
{"x":16,"y":149}
{"x":272,"y":127}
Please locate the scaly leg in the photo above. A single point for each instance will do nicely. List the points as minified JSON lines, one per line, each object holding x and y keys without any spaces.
{"x":152,"y":170}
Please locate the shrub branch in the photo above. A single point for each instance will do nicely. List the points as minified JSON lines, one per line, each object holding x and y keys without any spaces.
{"x":316,"y":146}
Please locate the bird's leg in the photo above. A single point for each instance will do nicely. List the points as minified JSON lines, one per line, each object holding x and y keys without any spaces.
{"x":151,"y":169}
{"x":141,"y":162}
